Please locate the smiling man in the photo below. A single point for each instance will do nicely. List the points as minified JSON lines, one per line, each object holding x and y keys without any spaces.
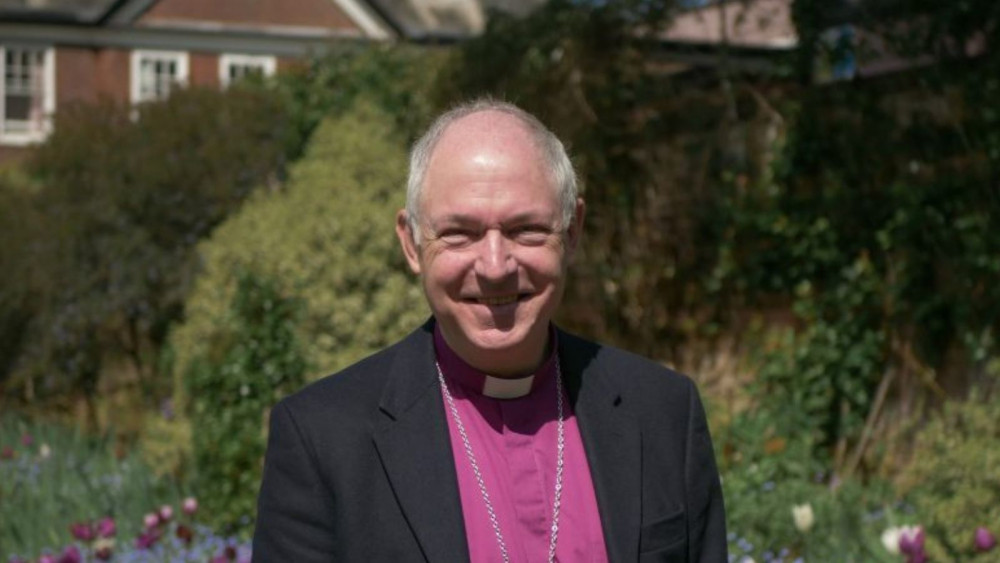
{"x":488,"y":434}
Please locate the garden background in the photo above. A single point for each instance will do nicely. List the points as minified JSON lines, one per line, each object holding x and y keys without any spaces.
{"x":822,"y":256}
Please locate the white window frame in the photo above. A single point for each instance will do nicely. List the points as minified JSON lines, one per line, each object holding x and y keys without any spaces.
{"x":179,"y":58}
{"x":267,"y":63}
{"x":44,"y":127}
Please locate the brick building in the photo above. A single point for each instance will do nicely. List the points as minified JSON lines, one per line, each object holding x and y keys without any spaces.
{"x":55,"y":52}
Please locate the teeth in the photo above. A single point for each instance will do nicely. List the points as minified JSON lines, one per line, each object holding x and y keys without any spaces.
{"x":498,"y":300}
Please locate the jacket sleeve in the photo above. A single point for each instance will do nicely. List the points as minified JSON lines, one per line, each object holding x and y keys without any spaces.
{"x":295,"y":509}
{"x":707,"y":516}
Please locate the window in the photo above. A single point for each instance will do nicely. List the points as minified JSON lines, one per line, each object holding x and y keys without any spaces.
{"x":235,"y":67}
{"x":155,"y":73}
{"x":28,"y":93}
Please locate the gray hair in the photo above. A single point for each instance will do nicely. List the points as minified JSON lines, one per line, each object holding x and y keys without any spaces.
{"x":553,"y":152}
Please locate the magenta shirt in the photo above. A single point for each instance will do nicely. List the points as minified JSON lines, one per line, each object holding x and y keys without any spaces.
{"x":514,"y":441}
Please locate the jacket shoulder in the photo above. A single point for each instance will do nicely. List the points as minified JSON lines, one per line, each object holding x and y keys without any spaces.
{"x":626,"y":368}
{"x":357,"y":389}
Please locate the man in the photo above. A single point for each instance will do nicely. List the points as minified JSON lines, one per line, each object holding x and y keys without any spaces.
{"x":488,"y":434}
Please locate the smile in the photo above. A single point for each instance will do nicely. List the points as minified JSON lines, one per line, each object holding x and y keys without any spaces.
{"x":494,"y":301}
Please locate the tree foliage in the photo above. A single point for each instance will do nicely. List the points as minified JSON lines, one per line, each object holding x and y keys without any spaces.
{"x":862,"y":212}
{"x":123,"y":197}
{"x":395,"y":78}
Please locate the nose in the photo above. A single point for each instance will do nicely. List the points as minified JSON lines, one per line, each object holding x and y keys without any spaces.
{"x":495,"y":260}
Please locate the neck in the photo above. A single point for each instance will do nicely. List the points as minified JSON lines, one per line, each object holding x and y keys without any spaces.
{"x":505,"y":364}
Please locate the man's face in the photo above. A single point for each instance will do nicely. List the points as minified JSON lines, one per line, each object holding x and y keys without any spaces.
{"x":493,"y":250}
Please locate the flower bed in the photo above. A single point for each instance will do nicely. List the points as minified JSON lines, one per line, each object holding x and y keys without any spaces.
{"x":68,"y":498}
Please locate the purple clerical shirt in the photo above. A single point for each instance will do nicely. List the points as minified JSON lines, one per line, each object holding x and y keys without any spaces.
{"x":514,"y":441}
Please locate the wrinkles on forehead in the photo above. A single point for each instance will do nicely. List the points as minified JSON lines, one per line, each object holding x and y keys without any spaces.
{"x":482,"y":144}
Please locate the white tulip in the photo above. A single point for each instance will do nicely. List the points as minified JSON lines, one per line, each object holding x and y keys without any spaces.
{"x":890,"y":539}
{"x":803,"y":516}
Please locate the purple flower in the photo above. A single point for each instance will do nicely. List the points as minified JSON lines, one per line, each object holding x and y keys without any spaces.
{"x":911,"y":544}
{"x":7,"y":453}
{"x":984,"y":539}
{"x":82,"y":531}
{"x":106,"y":527}
{"x":147,"y":539}
{"x":70,"y":555}
{"x":27,"y":439}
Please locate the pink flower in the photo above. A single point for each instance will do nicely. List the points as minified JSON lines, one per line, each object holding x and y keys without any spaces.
{"x":106,"y":527}
{"x":151,"y":520}
{"x":27,"y":439}
{"x":190,"y":506}
{"x":70,"y":555}
{"x":984,"y":539}
{"x":166,"y":513}
{"x":46,"y":559}
{"x":82,"y":531}
{"x":7,"y":453}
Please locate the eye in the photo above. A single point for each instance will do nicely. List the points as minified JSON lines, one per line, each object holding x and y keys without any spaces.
{"x":456,"y":237}
{"x":530,"y":234}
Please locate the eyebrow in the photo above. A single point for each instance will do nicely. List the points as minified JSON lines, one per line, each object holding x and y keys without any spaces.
{"x":529,"y":216}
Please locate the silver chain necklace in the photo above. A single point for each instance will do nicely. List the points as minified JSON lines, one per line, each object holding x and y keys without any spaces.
{"x":560,"y":446}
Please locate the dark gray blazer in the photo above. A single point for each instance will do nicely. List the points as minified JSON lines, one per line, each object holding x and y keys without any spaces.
{"x":359,"y":465}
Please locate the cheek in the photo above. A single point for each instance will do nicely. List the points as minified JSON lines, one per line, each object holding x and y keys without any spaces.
{"x":544,"y":263}
{"x":446,"y":269}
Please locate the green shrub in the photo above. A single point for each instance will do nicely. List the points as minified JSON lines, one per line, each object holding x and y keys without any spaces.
{"x":253,"y":360}
{"x":327,"y":238}
{"x":847,"y":525}
{"x":768,"y":468}
{"x":953,"y":479}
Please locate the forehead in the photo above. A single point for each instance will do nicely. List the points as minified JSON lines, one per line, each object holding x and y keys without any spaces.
{"x":488,"y":155}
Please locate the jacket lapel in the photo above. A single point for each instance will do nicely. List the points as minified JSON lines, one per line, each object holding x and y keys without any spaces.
{"x":612,"y":440}
{"x":415,"y":450}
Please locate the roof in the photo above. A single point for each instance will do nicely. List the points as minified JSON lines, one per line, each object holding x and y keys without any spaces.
{"x":55,"y":11}
{"x":412,"y":19}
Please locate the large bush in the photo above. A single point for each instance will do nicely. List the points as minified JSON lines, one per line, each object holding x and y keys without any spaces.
{"x":327,"y":239}
{"x":124,"y":195}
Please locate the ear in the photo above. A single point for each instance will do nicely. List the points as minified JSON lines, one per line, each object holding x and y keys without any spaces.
{"x":407,"y":241}
{"x":575,"y":230}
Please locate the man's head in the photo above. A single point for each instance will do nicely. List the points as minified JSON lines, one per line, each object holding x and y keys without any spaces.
{"x":491,"y":222}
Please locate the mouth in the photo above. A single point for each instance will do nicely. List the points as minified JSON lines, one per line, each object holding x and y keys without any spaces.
{"x":495,"y":301}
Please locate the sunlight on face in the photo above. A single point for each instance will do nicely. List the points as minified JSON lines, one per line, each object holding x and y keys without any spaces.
{"x":494,"y":253}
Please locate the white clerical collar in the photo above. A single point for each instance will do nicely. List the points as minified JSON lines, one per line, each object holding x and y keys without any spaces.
{"x":501,"y":388}
{"x":456,"y":369}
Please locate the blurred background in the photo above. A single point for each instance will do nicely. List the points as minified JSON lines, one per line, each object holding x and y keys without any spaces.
{"x":793,"y":201}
